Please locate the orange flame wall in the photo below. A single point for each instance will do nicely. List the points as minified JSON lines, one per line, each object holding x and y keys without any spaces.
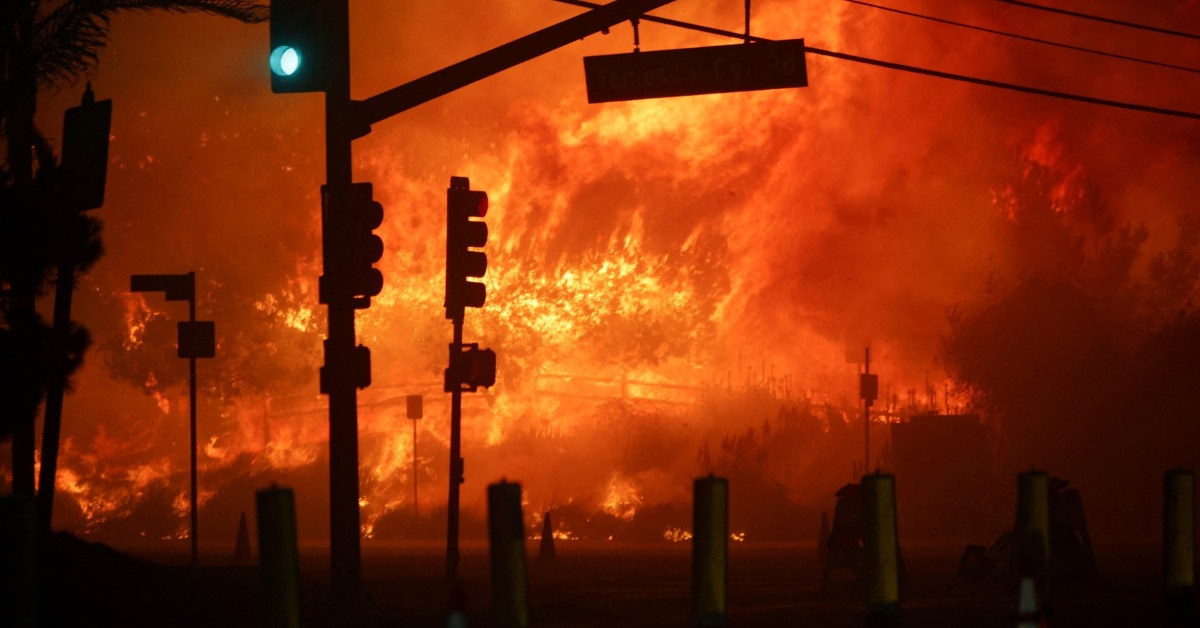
{"x":648,"y":250}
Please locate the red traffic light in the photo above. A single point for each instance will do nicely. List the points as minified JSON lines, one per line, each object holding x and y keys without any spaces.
{"x":477,"y":203}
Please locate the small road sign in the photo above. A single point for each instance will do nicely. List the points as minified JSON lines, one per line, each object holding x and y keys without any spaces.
{"x":692,"y":71}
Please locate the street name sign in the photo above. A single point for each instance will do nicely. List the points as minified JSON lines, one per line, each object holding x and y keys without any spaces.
{"x":693,"y":71}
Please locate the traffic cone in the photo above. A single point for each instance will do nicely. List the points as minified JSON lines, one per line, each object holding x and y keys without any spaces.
{"x":241,"y":550}
{"x":1029,"y":609}
{"x":546,"y":548}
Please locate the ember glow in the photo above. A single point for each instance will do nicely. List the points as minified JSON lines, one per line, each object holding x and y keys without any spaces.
{"x":669,"y":281}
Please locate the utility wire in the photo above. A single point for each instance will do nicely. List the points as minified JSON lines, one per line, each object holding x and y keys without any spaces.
{"x":1002,"y":85}
{"x":1097,"y":18}
{"x":913,"y":69}
{"x":1023,"y":37}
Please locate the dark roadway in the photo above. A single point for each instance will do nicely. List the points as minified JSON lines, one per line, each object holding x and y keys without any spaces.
{"x":591,"y":584}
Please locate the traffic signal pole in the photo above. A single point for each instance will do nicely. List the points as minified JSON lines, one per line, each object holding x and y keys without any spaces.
{"x":345,"y":551}
{"x":456,"y":462}
{"x":84,"y":167}
{"x":323,"y":27}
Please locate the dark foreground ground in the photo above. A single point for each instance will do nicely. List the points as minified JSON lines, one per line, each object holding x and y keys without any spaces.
{"x":590,"y":584}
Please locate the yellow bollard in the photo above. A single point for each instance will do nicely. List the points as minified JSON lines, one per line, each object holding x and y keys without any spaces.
{"x":1031,"y":532}
{"x":18,"y":561}
{"x":506,"y":544}
{"x":710,"y":550}
{"x":881,"y":545}
{"x":279,"y":556}
{"x":1179,"y":539}
{"x":1029,"y":610}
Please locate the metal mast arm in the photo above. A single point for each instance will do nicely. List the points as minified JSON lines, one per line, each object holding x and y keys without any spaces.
{"x":442,"y":82}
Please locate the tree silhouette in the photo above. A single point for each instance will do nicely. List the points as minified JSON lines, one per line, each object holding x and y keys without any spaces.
{"x":1084,"y":362}
{"x":47,"y":46}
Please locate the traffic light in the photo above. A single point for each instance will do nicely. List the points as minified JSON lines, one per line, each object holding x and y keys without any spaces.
{"x":299,"y":45}
{"x":351,"y":246}
{"x":473,"y":368}
{"x":354,"y":368}
{"x":868,"y":387}
{"x":463,"y":234}
{"x":85,"y":152}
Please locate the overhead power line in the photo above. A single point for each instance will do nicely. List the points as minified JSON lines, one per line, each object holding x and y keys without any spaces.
{"x":1002,"y":85}
{"x":1097,"y":18}
{"x":1023,"y":37}
{"x":914,"y":69}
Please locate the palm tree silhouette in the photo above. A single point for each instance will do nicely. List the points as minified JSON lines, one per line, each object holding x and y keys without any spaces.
{"x":46,"y":46}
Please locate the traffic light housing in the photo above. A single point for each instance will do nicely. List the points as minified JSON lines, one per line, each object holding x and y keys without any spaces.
{"x":300,"y":42}
{"x":471,"y":368}
{"x":84,"y":164}
{"x":351,"y":246}
{"x":868,"y":387}
{"x":354,"y":368}
{"x":463,"y":234}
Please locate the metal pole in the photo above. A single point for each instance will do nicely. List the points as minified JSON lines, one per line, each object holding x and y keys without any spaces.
{"x":456,"y":463}
{"x":416,"y":514}
{"x":52,"y":426}
{"x":192,"y":421}
{"x":404,"y":97}
{"x":345,"y":543}
{"x":867,"y":420}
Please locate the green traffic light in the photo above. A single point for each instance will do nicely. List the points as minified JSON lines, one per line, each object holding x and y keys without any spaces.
{"x":285,"y":61}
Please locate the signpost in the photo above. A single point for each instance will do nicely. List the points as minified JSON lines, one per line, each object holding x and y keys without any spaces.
{"x":196,"y":339}
{"x":868,"y":389}
{"x":415,"y":412}
{"x":693,"y":71}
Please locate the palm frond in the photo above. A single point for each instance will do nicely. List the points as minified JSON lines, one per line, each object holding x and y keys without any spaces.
{"x":69,"y":38}
{"x":246,"y":11}
{"x":66,"y":42}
